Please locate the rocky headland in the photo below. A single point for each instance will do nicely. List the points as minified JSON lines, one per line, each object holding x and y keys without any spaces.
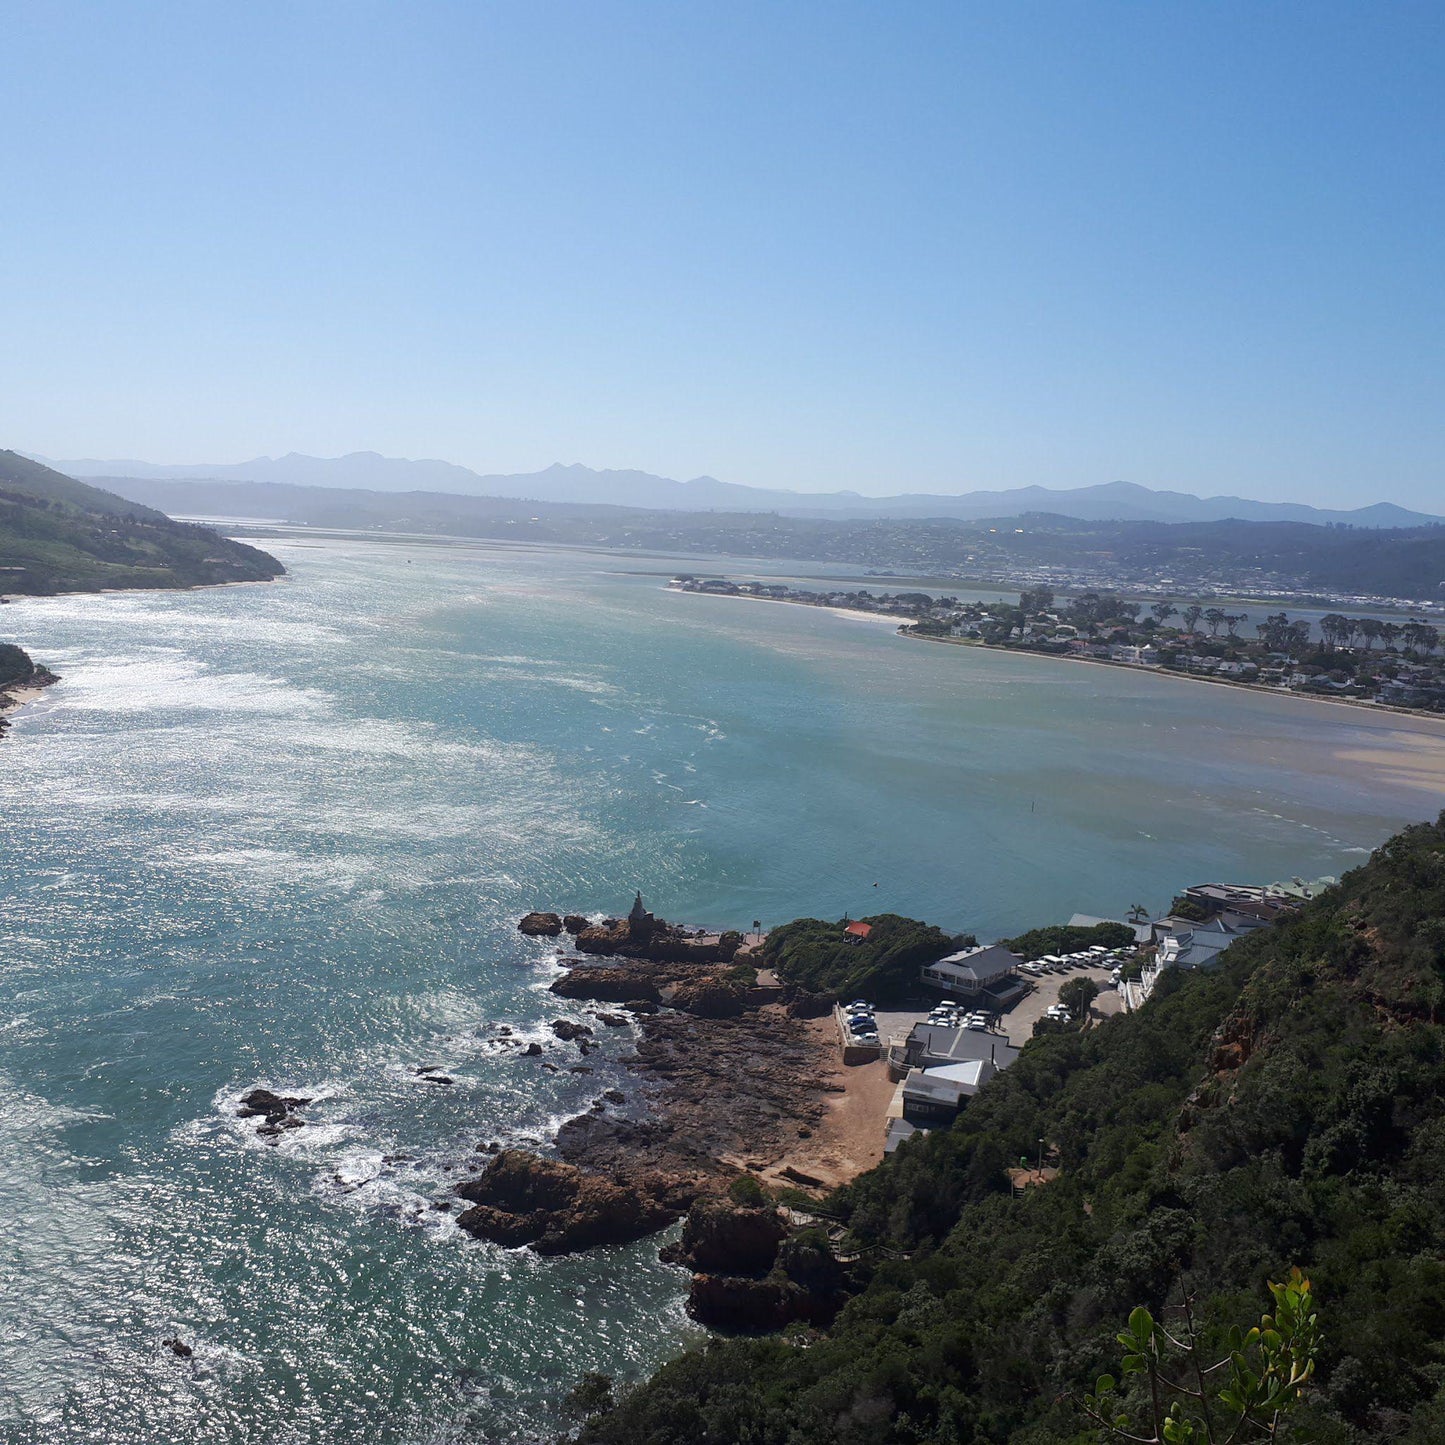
{"x":731,"y":1075}
{"x":20,"y":681}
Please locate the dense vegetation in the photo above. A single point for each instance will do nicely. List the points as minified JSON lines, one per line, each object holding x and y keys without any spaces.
{"x":61,"y":535}
{"x":1285,"y":1109}
{"x":1066,"y":938}
{"x":15,"y":665}
{"x":883,"y":967}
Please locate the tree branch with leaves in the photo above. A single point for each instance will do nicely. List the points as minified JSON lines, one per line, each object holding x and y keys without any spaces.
{"x":1244,"y":1396}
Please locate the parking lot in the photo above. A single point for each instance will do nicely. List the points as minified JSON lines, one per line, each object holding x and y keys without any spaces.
{"x":1019,"y":1022}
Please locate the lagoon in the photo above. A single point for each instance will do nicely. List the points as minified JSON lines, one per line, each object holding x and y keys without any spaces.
{"x":281,"y":834}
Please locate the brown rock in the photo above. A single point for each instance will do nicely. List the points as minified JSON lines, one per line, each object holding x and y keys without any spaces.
{"x":610,"y":985}
{"x":574,"y":923}
{"x":710,"y":997}
{"x":558,"y":1208}
{"x":540,"y":925}
{"x":720,"y":1237}
{"x":567,"y":1030}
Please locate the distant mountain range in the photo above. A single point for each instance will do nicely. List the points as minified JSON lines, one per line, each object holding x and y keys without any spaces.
{"x":1111,"y":501}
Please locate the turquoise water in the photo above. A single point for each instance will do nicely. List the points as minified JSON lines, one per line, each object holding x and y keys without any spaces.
{"x":282,"y":834}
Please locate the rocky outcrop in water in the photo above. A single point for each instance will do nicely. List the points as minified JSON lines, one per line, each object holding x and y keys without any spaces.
{"x":557,"y":1208}
{"x":661,"y":943}
{"x":606,"y":985}
{"x":540,"y":925}
{"x":278,"y":1111}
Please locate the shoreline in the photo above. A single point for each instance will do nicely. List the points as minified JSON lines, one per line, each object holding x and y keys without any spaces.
{"x":786,"y":602}
{"x":12,"y":699}
{"x":902,"y":629}
{"x":727,"y":1078}
{"x":1376,"y":708}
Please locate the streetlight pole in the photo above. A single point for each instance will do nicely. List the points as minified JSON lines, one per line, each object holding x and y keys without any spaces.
{"x":1041,"y":1161}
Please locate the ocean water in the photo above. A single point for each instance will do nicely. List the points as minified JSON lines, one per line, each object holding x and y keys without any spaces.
{"x":282,"y":834}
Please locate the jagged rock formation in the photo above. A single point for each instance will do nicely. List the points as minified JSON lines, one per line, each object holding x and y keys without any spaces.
{"x":558,"y":1208}
{"x":751,"y":1272}
{"x":278,"y":1111}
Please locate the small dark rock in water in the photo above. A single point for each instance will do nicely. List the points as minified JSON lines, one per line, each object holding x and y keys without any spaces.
{"x":438,"y":1079}
{"x":443,"y":1206}
{"x":574,"y":923}
{"x":504,"y":1030}
{"x":428,"y":1069}
{"x":586,"y":1046}
{"x":567,"y":1030}
{"x":613,"y":1021}
{"x":532,"y":1050}
{"x":179,"y":1349}
{"x":615,"y":1096}
{"x":550,"y":1068}
{"x":273,"y":1106}
{"x":640,"y":1006}
{"x":580,"y":1069}
{"x":540,"y":925}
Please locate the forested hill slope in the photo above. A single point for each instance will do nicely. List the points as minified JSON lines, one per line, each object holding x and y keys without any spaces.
{"x":61,"y":535}
{"x":1287,"y":1109}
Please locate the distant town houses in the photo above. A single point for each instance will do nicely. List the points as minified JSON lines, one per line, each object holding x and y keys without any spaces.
{"x":1373,"y":660}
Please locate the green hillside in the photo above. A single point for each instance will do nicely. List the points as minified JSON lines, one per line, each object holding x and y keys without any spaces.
{"x":1287,"y":1109}
{"x":61,"y":535}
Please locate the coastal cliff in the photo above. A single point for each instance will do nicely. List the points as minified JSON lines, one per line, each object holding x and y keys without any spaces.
{"x":1286,"y":1108}
{"x":58,"y":534}
{"x":21,"y":679}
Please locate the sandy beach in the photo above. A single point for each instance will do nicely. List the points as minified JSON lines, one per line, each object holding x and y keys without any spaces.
{"x":12,"y":699}
{"x":849,"y":1138}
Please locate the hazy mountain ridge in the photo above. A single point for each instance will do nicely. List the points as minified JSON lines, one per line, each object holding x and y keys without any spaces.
{"x":1109,"y":501}
{"x":1256,"y":557}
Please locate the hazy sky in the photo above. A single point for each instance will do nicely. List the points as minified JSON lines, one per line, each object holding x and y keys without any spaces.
{"x":886,"y":246}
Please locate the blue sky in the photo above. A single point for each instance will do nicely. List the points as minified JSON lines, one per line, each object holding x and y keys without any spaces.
{"x":888,"y":247}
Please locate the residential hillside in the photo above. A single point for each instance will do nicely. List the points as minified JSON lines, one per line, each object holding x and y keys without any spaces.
{"x":61,"y":535}
{"x":1286,"y":1109}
